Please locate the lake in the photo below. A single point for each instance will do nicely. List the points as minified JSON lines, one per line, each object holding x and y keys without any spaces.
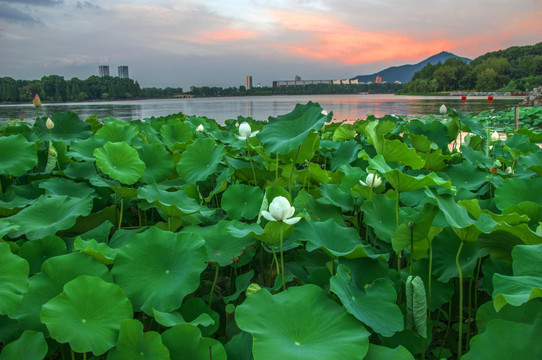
{"x":344,"y":107}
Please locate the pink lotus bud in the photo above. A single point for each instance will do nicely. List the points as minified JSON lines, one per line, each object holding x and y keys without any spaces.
{"x":21,"y":116}
{"x":36,"y":101}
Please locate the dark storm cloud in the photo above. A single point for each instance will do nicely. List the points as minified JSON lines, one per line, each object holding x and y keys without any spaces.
{"x":13,"y":15}
{"x":35,"y":2}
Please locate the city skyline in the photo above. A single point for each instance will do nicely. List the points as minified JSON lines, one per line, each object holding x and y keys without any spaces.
{"x":215,"y":43}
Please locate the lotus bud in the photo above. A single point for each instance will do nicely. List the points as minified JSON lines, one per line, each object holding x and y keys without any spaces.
{"x":443,"y":110}
{"x":433,"y":147}
{"x":49,"y":124}
{"x":52,"y":152}
{"x":372,"y":180}
{"x":21,"y":116}
{"x":497,"y":163}
{"x":36,"y":101}
{"x":200,"y":128}
{"x":495,"y":136}
{"x":509,"y":170}
{"x":252,"y":289}
{"x":324,"y":113}
{"x":245,"y":130}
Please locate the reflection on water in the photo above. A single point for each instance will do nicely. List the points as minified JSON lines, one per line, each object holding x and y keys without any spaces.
{"x":344,"y":107}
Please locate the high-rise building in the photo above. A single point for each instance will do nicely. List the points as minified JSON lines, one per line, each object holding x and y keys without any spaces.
{"x":248,"y":82}
{"x":103,"y":70}
{"x":378,"y":79}
{"x":123,"y":72}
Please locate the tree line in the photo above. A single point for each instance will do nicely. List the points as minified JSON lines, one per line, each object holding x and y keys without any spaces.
{"x":516,"y":69}
{"x":54,"y":88}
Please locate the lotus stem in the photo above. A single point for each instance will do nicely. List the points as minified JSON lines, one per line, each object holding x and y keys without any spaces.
{"x":397,"y":223}
{"x":251,"y":164}
{"x":73,"y":354}
{"x":282,"y":255}
{"x":120,"y":214}
{"x":292,"y":172}
{"x":214,"y":285}
{"x":275,"y":260}
{"x":366,"y":226}
{"x":447,"y":328}
{"x":460,"y":324}
{"x":277,"y":169}
{"x":411,"y":248}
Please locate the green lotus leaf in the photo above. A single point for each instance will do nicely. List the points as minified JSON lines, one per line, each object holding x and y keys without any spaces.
{"x":14,"y":283}
{"x":399,"y":152}
{"x":402,"y":182}
{"x":117,"y":131}
{"x":174,"y":318}
{"x":532,"y":162}
{"x":241,"y":284}
{"x":11,"y":203}
{"x":87,"y":314}
{"x":377,"y":215}
{"x":56,"y":272}
{"x":344,"y":132}
{"x":378,"y":352}
{"x":185,"y":342}
{"x":286,"y":133}
{"x":514,"y":191}
{"x":100,"y":251}
{"x":526,"y":313}
{"x":477,"y":158}
{"x":333,"y":195}
{"x":175,"y":132}
{"x":322,"y":235}
{"x":135,"y":344}
{"x":305,"y":152}
{"x":242,"y":201}
{"x":62,"y":186}
{"x":172,"y":203}
{"x":120,"y":161}
{"x":526,"y":283}
{"x":36,"y":252}
{"x":48,"y":215}
{"x":83,"y":150}
{"x":346,"y":153}
{"x":466,"y":176}
{"x":199,"y":160}
{"x":158,"y":163}
{"x":222,"y":247}
{"x":30,"y":346}
{"x":194,"y":308}
{"x":157,"y":268}
{"x":504,"y":339}
{"x":18,"y":155}
{"x":239,"y":347}
{"x":419,"y":236}
{"x":68,"y":128}
{"x":301,"y":323}
{"x":374,"y":305}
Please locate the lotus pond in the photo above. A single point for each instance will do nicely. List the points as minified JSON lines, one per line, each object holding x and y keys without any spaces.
{"x":296,"y":238}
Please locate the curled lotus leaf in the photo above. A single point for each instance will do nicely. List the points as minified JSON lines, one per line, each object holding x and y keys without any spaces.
{"x":120,"y":161}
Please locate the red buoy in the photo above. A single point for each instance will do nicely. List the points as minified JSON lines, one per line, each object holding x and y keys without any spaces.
{"x":463,"y":98}
{"x":490,"y":98}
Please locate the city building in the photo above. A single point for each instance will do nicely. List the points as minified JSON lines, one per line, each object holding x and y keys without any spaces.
{"x":248,"y":82}
{"x":103,"y":70}
{"x":378,"y":79}
{"x":123,"y":72}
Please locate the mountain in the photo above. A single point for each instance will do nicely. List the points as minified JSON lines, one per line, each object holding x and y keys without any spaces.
{"x":404,"y":73}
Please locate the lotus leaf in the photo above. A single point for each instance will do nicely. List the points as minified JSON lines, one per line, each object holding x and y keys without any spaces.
{"x":172,"y":203}
{"x":374,"y":305}
{"x":18,"y":155}
{"x":117,"y":131}
{"x":241,"y":284}
{"x":174,"y":318}
{"x":199,"y":160}
{"x":68,"y":128}
{"x":376,"y":213}
{"x":346,"y":153}
{"x":242,"y":201}
{"x":514,"y":191}
{"x":30,"y":346}
{"x":13,"y":279}
{"x":134,"y":344}
{"x":239,"y":347}
{"x":157,"y":268}
{"x":120,"y":161}
{"x":48,"y":215}
{"x":100,"y":251}
{"x":526,"y":313}
{"x":38,"y":251}
{"x":83,"y":150}
{"x":176,"y":132}
{"x":62,"y":186}
{"x":301,"y":323}
{"x":286,"y":133}
{"x":333,"y":195}
{"x":378,"y":352}
{"x":158,"y":163}
{"x":185,"y":342}
{"x":194,"y":308}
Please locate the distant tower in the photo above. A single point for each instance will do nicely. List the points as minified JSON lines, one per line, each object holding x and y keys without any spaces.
{"x":123,"y":72}
{"x":103,"y":70}
{"x":248,"y":82}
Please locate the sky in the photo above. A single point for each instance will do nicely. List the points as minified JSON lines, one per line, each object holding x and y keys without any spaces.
{"x":187,"y":43}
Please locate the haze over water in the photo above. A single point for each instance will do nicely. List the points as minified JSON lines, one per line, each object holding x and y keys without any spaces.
{"x":344,"y":107}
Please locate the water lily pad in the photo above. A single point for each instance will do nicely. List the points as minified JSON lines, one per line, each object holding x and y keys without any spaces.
{"x":87,"y":314}
{"x":135,"y":344}
{"x":199,"y":160}
{"x":18,"y":155}
{"x":120,"y":161}
{"x":13,"y":279}
{"x":301,"y":323}
{"x":285,"y":133}
{"x":374,"y":305}
{"x":30,"y":346}
{"x":242,"y":201}
{"x":48,"y":215}
{"x":157,"y":268}
{"x":185,"y":342}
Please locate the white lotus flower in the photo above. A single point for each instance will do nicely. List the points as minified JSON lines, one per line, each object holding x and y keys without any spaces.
{"x":495,"y":136}
{"x":281,"y":210}
{"x":372,"y":180}
{"x":245,"y":131}
{"x":443,"y":110}
{"x":324,"y":112}
{"x":49,"y":124}
{"x":509,"y":170}
{"x":200,"y":128}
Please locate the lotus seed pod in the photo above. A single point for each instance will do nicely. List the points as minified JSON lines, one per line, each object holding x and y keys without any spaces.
{"x":252,"y":289}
